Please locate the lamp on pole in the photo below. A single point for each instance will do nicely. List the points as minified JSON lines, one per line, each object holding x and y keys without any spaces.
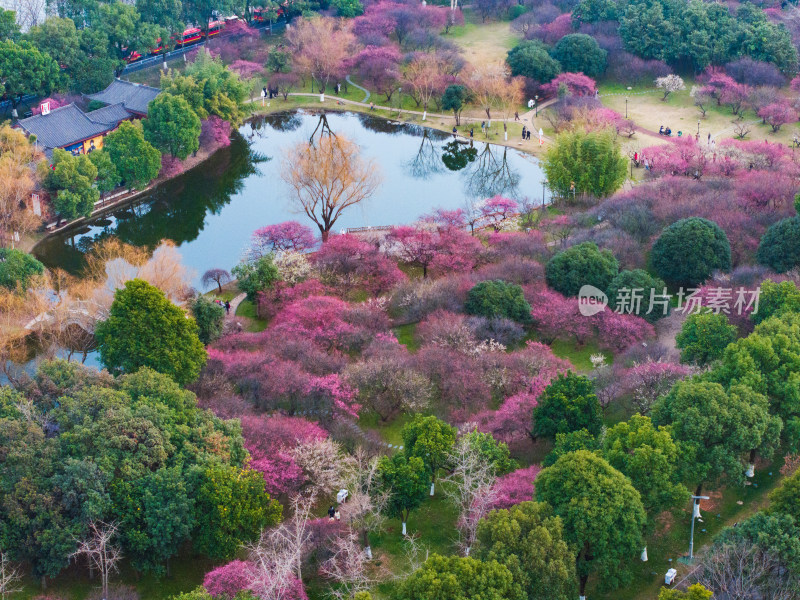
{"x":695,"y":515}
{"x":626,"y":107}
{"x":544,"y":185}
{"x":536,"y":104}
{"x":698,"y":127}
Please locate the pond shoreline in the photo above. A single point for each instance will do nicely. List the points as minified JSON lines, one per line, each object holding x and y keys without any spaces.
{"x":341,"y":106}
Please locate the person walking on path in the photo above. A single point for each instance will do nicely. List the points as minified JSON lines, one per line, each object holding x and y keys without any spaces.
{"x":524,"y":129}
{"x":227,"y":307}
{"x":516,"y":115}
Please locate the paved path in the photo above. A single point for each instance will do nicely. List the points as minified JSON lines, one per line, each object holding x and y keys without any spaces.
{"x":355,"y":85}
{"x":235,"y":302}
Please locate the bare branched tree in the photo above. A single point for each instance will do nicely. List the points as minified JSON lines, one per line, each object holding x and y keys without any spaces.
{"x":471,"y":489}
{"x":347,"y":567}
{"x":278,"y":555}
{"x":100,"y":551}
{"x":9,"y":577}
{"x":364,"y":511}
{"x":742,"y":571}
{"x":328,"y":177}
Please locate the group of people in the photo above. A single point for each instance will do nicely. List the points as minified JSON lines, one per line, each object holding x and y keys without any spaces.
{"x":664,"y":131}
{"x":526,"y":133}
{"x":334,"y":514}
{"x":226,"y":305}
{"x":641,"y":160}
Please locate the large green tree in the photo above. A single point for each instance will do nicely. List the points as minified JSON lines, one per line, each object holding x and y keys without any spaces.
{"x":567,"y":404}
{"x":210,"y":318}
{"x":690,"y":250}
{"x":602,"y":513}
{"x":107,"y":177}
{"x":780,"y":245}
{"x":703,"y":337}
{"x":529,"y":540}
{"x":650,"y":458}
{"x":135,"y":159}
{"x":156,"y":515}
{"x":627,"y":286}
{"x":785,"y":499}
{"x":172,"y":126}
{"x":405,"y":480}
{"x":232,"y":508}
{"x":145,"y":329}
{"x":431,"y":440}
{"x":768,"y":360}
{"x":531,"y":59}
{"x":457,"y":578}
{"x":775,"y":299}
{"x":580,"y":53}
{"x":255,"y":276}
{"x":776,"y":535}
{"x":585,"y":163}
{"x":716,"y":429}
{"x":498,"y":299}
{"x":583,"y":264}
{"x":73,"y":180}
{"x":27,"y":70}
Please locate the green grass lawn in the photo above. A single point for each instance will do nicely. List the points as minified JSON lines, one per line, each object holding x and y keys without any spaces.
{"x":666,"y":547}
{"x":406,"y":335}
{"x":186,"y":573}
{"x":578,"y":355}
{"x":248,"y":309}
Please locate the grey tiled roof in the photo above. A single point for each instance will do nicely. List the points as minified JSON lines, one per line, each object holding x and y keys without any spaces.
{"x":133,"y":96}
{"x":110,"y":115}
{"x":62,"y":127}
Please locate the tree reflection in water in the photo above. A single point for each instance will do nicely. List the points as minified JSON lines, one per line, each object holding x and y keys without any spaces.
{"x":426,"y":161}
{"x":491,"y":174}
{"x":174,"y":211}
{"x":457,"y":156}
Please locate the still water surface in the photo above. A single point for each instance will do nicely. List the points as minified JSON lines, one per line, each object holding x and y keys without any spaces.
{"x":211,"y":211}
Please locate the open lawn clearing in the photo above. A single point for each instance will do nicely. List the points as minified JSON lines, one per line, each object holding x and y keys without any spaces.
{"x":484,"y":43}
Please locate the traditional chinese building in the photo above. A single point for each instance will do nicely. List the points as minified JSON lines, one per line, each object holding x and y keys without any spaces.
{"x":134,"y":97}
{"x":73,"y":130}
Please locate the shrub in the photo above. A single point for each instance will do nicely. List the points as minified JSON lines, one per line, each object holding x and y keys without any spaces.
{"x":228,"y":580}
{"x":17,"y":268}
{"x":493,"y":299}
{"x":780,"y":246}
{"x":580,"y":53}
{"x":755,"y":73}
{"x":515,"y":487}
{"x":649,"y":288}
{"x":704,"y":337}
{"x":499,"y":329}
{"x":690,"y":250}
{"x":210,"y":319}
{"x":349,"y":263}
{"x":256,"y":276}
{"x":584,"y":264}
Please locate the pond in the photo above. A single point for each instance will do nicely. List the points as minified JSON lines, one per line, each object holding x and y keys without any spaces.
{"x":211,"y":211}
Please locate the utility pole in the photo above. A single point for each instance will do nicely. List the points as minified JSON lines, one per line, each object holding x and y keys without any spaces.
{"x":695,"y":515}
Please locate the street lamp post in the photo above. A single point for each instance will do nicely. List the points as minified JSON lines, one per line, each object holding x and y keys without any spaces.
{"x":536,"y":104}
{"x":626,"y":107}
{"x":698,"y":127}
{"x":544,"y":185}
{"x":695,"y":515}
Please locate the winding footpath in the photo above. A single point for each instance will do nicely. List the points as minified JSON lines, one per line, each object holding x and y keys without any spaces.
{"x":355,"y":85}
